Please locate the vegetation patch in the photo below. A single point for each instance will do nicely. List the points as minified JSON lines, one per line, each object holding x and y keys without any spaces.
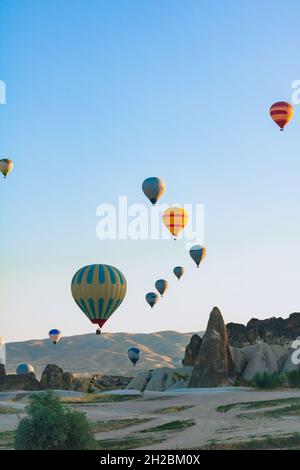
{"x":6,"y":439}
{"x":160,"y":397}
{"x":269,"y":381}
{"x":265,"y":380}
{"x":287,"y":441}
{"x":115,"y":424}
{"x":50,"y":425}
{"x":258,"y":404}
{"x":177,"y":425}
{"x":130,"y":442}
{"x":173,"y":409}
{"x":19,"y":396}
{"x":294,"y":378}
{"x":98,"y":398}
{"x":6,"y":410}
{"x":291,"y":410}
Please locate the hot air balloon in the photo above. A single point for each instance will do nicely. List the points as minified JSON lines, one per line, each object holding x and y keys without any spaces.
{"x":178,"y":271}
{"x":98,"y":290}
{"x":152,"y":298}
{"x":175,"y":219}
{"x":161,"y":285}
{"x":6,"y":165}
{"x":281,"y":113}
{"x":154,"y":188}
{"x":24,"y":369}
{"x":55,"y":336}
{"x":198,"y":253}
{"x":134,"y":355}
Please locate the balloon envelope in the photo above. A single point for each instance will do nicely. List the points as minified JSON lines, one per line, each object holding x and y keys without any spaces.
{"x":178,"y":271}
{"x":161,"y":285}
{"x":152,"y":298}
{"x":98,"y":290}
{"x":281,"y":113}
{"x":134,"y":355}
{"x":55,"y":335}
{"x":24,"y":369}
{"x":198,"y":253}
{"x":175,"y":219}
{"x":154,"y":188}
{"x":6,"y":165}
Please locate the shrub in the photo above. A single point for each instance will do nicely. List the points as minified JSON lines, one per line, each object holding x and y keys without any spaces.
{"x":267,"y":380}
{"x":50,"y":425}
{"x":294,"y":378}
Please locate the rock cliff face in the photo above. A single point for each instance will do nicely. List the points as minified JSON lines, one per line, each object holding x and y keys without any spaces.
{"x":213,"y":365}
{"x":161,"y":379}
{"x":271,"y":331}
{"x":2,"y":373}
{"x":191,"y":351}
{"x":109,"y":382}
{"x":54,"y":377}
{"x":19,"y":382}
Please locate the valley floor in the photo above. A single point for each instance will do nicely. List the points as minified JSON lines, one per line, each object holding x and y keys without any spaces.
{"x":182,"y":419}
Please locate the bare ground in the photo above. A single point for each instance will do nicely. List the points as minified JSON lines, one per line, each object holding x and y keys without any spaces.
{"x":197,"y":409}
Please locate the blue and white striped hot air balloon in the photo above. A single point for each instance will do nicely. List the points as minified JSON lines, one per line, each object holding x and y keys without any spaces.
{"x":134,"y":355}
{"x":55,"y":335}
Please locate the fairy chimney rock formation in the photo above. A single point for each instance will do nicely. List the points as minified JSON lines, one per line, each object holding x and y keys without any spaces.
{"x":213,"y":365}
{"x":192,"y":350}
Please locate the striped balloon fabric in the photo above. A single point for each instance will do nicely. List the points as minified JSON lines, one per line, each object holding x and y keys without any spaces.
{"x":98,"y":290}
{"x":175,"y":219}
{"x":281,"y":113}
{"x":6,"y":165}
{"x":152,"y":298}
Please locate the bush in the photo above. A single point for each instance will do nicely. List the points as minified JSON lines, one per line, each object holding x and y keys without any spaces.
{"x":267,"y":380}
{"x":294,"y":378}
{"x":50,"y":425}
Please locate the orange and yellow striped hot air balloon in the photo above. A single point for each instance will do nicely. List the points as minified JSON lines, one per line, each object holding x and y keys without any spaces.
{"x":6,"y":165}
{"x":281,"y":113}
{"x":175,"y":219}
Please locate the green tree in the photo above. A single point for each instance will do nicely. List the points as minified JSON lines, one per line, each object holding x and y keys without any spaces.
{"x":267,"y":380}
{"x":50,"y":425}
{"x":294,"y":378}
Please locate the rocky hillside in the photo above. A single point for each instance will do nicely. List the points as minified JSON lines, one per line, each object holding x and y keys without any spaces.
{"x":271,"y":331}
{"x":214,"y":360}
{"x":104,"y":354}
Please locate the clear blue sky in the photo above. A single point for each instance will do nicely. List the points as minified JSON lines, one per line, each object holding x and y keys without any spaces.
{"x":100,"y":95}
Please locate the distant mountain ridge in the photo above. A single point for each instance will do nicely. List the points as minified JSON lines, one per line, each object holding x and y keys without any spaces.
{"x":106,"y":354}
